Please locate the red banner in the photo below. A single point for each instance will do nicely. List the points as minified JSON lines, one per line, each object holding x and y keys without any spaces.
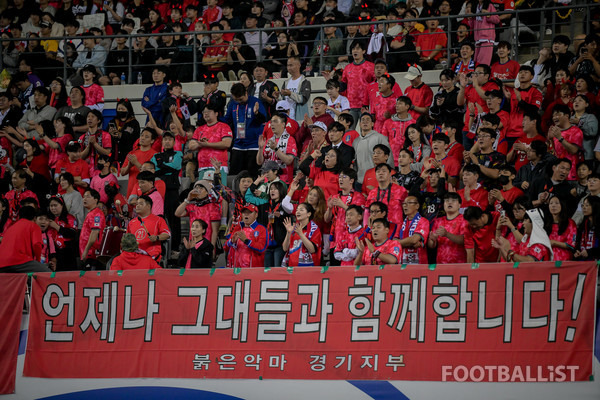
{"x":496,"y":322}
{"x":12,"y":293}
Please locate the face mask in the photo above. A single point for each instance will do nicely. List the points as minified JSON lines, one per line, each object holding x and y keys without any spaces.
{"x":122,"y":114}
{"x":503,"y":180}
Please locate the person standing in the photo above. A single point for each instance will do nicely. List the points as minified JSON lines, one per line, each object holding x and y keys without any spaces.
{"x":246,"y":116}
{"x":154,"y":95}
{"x":357,"y":77}
{"x":168,"y":167}
{"x":90,"y":238}
{"x":447,"y":233}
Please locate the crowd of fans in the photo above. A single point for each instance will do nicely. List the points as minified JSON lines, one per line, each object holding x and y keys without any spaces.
{"x":500,"y":163}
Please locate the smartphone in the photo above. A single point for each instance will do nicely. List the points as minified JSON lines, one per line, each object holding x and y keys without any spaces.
{"x":112,"y":125}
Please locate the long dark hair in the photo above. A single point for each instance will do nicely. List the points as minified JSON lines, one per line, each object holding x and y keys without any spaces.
{"x":589,"y":223}
{"x":282,"y":192}
{"x":61,"y":101}
{"x":563,"y":218}
{"x":63,"y":216}
{"x":11,"y":44}
{"x":408,"y":142}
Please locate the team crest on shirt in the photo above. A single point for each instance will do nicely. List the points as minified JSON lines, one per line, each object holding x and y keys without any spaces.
{"x":348,"y":137}
{"x":256,"y":234}
{"x":97,"y":219}
{"x":537,"y":250}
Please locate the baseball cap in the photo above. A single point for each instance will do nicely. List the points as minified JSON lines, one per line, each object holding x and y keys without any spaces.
{"x":413,"y":72}
{"x":250,"y":207}
{"x":283,"y":105}
{"x":318,"y":124}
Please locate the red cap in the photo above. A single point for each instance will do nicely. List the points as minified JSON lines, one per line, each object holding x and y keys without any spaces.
{"x":250,"y":207}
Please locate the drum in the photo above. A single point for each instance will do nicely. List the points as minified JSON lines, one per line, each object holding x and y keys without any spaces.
{"x":111,"y":242}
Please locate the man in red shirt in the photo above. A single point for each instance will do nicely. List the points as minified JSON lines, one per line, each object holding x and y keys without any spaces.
{"x":472,"y":93}
{"x":279,"y":147}
{"x":395,"y":127}
{"x":479,"y":234}
{"x":131,"y":257}
{"x":382,"y":250}
{"x":447,"y":233}
{"x":455,"y":150}
{"x":439,"y":145}
{"x":345,"y":251}
{"x":431,"y":44}
{"x":381,"y":69}
{"x":524,"y":98}
{"x":502,"y":199}
{"x":419,"y":93}
{"x":136,"y":158}
{"x":21,"y":247}
{"x":413,"y":233}
{"x":387,"y":192}
{"x":505,"y":69}
{"x":383,"y":103}
{"x":568,"y":139}
{"x":149,"y":229}
{"x":215,"y":55}
{"x":518,"y":154}
{"x":248,"y":241}
{"x":473,"y":194}
{"x":319,"y":106}
{"x":90,"y":238}
{"x":357,"y":76}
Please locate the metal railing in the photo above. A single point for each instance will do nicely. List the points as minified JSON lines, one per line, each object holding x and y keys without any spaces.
{"x":514,"y":30}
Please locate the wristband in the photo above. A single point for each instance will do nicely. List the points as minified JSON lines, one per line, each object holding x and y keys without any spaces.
{"x":376,"y":254}
{"x":186,"y":201}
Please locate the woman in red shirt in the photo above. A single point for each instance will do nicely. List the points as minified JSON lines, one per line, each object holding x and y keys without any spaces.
{"x":303,"y":239}
{"x":66,"y":227}
{"x":325,"y":176}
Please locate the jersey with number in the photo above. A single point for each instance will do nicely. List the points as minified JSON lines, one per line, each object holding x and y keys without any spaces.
{"x":449,"y":252}
{"x":152,"y":225}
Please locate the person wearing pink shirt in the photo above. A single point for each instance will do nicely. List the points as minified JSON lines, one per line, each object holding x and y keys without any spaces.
{"x":447,"y":233}
{"x":212,"y":141}
{"x":394,"y":128}
{"x":357,"y":77}
{"x":383,"y":103}
{"x":568,"y":139}
{"x":484,"y":28}
{"x":92,"y":230}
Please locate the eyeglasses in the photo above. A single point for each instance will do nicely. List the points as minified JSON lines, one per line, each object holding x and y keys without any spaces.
{"x":483,"y":136}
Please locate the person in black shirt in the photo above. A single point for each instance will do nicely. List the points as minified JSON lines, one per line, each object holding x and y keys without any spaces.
{"x":196,"y":252}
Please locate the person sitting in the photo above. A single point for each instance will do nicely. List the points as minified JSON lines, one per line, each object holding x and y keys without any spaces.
{"x":535,"y":245}
{"x":149,"y":229}
{"x":131,"y":257}
{"x":346,"y":250}
{"x":381,"y":250}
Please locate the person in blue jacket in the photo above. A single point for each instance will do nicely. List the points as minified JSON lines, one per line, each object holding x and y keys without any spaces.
{"x":246,"y":116}
{"x":154,"y":95}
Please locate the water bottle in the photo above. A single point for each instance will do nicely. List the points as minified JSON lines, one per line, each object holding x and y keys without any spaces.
{"x":123,"y":78}
{"x":139,"y":78}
